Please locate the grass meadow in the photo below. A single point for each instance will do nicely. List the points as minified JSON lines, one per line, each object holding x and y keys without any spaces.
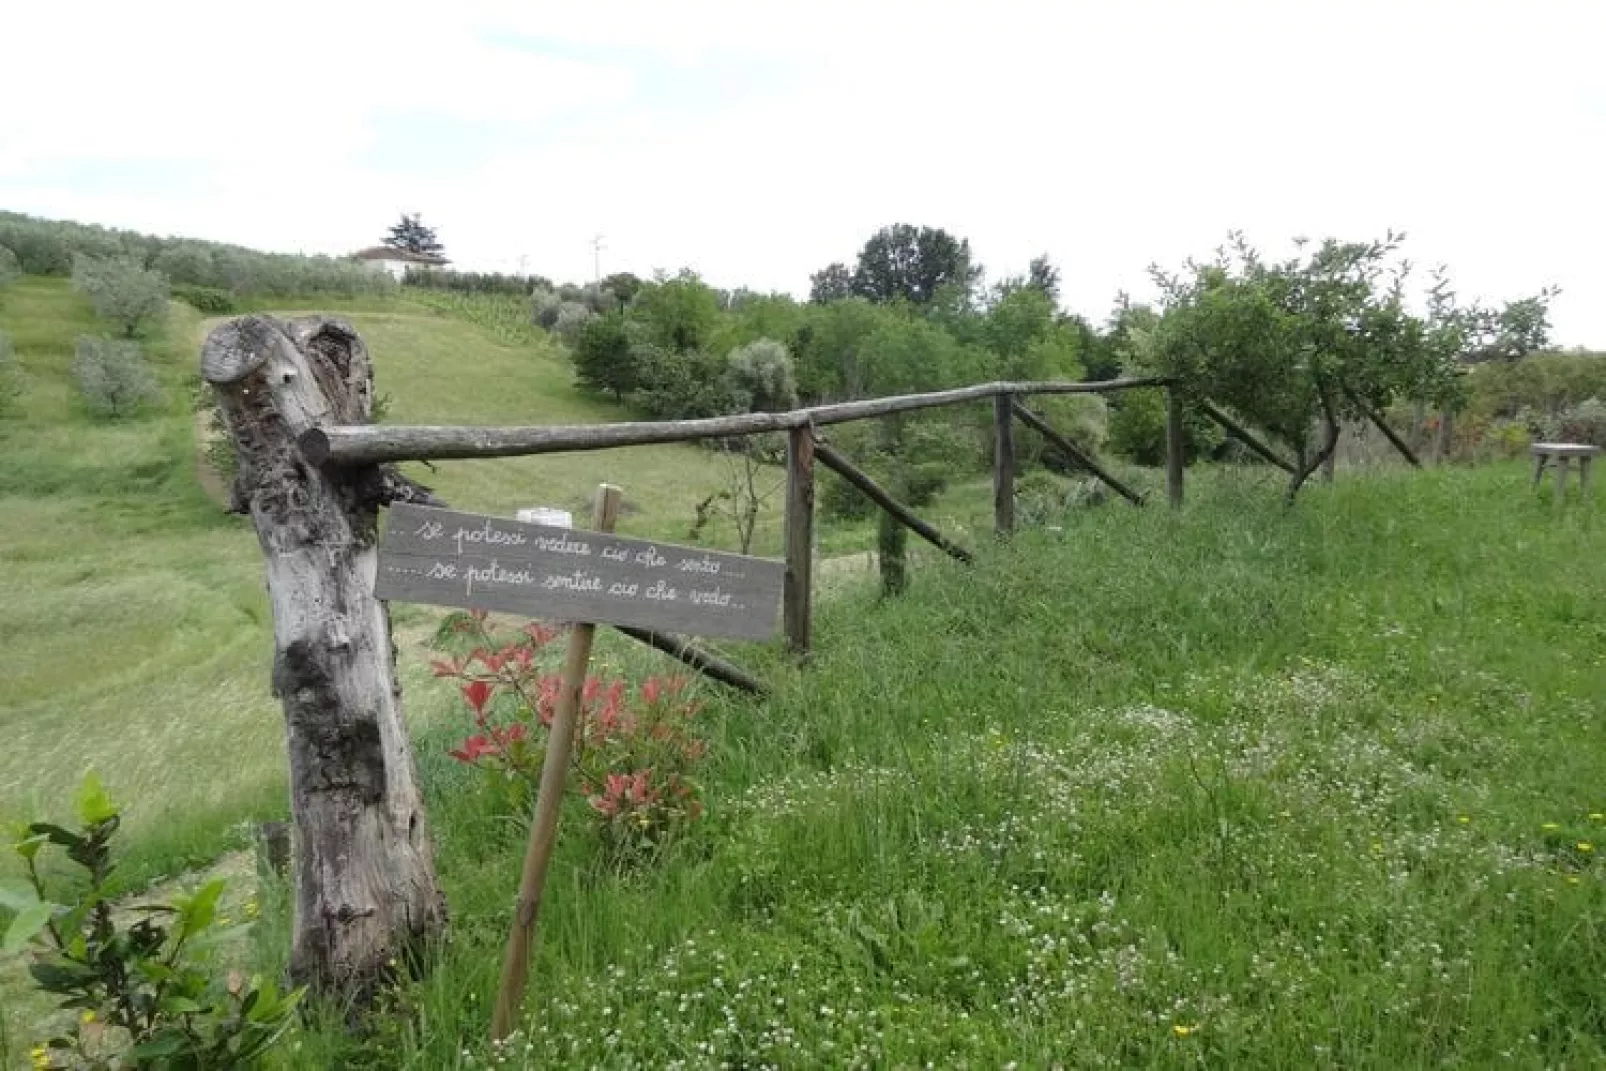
{"x":1239,"y":786}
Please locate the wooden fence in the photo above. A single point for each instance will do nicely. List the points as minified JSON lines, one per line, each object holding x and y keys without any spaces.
{"x":353,"y":445}
{"x":296,"y":397}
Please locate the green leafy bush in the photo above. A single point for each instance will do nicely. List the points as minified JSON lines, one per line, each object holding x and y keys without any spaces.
{"x":544,"y":306}
{"x":1544,"y":383}
{"x":122,"y":291}
{"x":205,"y":299}
{"x":1137,"y":429}
{"x":761,"y":377}
{"x":570,"y":318}
{"x":1584,"y":422}
{"x":113,"y":376}
{"x":146,"y":993}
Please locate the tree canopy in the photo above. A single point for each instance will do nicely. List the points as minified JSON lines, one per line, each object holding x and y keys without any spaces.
{"x":1295,"y":346}
{"x":905,"y":262}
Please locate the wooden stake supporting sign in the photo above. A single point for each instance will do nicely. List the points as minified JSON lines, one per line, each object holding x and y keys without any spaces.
{"x":554,"y":772}
{"x":589,"y":577}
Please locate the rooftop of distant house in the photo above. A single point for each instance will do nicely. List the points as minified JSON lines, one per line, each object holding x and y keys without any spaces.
{"x":387,"y":252}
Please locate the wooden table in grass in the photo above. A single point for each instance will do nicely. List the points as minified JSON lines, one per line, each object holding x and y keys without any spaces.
{"x":1563,"y":454}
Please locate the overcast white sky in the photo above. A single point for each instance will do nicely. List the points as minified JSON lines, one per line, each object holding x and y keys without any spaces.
{"x":756,"y":142}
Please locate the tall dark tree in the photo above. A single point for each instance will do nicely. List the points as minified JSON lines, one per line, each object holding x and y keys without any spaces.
{"x":622,"y":285}
{"x":411,"y":234}
{"x":831,"y":283}
{"x":1044,"y":276}
{"x":913,"y":263}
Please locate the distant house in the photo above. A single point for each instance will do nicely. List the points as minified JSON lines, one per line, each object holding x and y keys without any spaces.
{"x":397,"y":261}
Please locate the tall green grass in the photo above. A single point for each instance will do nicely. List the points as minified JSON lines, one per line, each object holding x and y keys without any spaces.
{"x":1242,"y":787}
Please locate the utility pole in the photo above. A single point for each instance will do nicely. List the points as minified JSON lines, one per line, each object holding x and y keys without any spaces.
{"x":596,"y":257}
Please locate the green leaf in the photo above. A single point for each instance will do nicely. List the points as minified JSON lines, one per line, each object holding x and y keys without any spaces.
{"x":28,"y":846}
{"x":29,"y":921}
{"x":196,"y":913}
{"x":176,"y":1005}
{"x":169,"y":1042}
{"x":17,"y":898}
{"x":94,"y":806}
{"x":56,"y":835}
{"x":61,"y":976}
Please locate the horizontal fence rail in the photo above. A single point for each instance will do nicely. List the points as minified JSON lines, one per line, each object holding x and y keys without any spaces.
{"x":367,"y":444}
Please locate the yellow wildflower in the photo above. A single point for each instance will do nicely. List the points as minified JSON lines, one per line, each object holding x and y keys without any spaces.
{"x":1596,"y":816}
{"x":1182,"y":1031}
{"x":1464,"y":819}
{"x":1585,"y":847}
{"x":88,"y":1016}
{"x":40,"y":1057}
{"x":1572,"y":879}
{"x":1550,"y":827}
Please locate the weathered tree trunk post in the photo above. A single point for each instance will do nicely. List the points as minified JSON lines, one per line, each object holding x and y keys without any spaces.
{"x":363,"y":864}
{"x":1003,"y":464}
{"x":1174,"y":446}
{"x":797,"y":594}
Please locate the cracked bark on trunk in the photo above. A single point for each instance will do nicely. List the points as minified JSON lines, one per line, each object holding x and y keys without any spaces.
{"x":363,"y":868}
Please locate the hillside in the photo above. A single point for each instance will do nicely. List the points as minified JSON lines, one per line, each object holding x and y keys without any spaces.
{"x":137,"y":634}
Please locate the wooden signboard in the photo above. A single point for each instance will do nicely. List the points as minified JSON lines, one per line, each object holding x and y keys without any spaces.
{"x":560,"y":574}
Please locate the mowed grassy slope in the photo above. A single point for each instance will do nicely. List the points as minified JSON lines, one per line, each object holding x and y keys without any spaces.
{"x":132,"y":621}
{"x":135,"y":629}
{"x":1242,"y":787}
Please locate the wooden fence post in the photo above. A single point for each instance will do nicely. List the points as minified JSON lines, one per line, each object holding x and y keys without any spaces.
{"x":1003,"y":464}
{"x":1174,"y":446}
{"x":797,"y":593}
{"x":362,"y":862}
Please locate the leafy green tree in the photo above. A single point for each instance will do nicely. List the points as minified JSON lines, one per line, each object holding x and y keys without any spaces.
{"x":410,"y":234}
{"x":914,"y":264}
{"x":605,"y":358}
{"x":1043,"y":276}
{"x":679,"y":313}
{"x":834,"y":282}
{"x":680,"y":384}
{"x":122,"y":291}
{"x":829,"y":355}
{"x":1301,"y":343}
{"x":1514,"y":331}
{"x":1025,"y":338}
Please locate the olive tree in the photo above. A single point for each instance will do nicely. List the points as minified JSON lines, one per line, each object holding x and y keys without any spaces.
{"x":113,"y":377}
{"x":123,"y":291}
